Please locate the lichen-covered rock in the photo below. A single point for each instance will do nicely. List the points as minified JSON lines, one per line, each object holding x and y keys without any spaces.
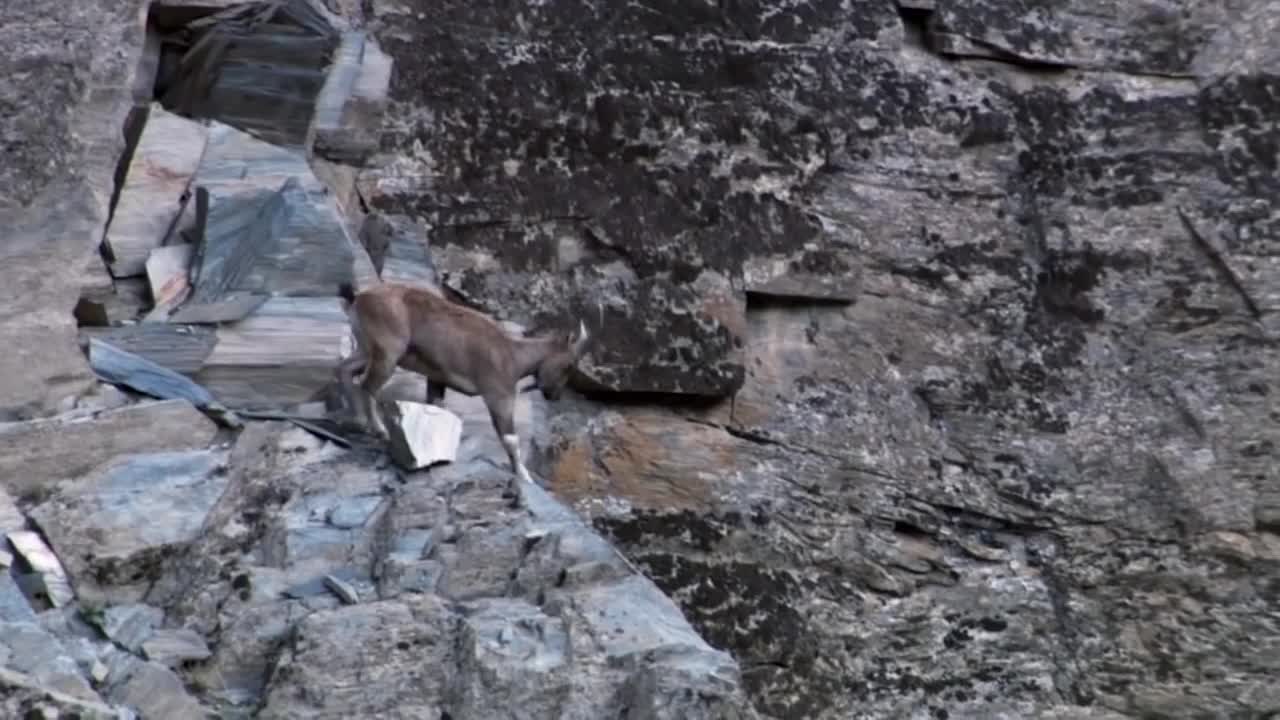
{"x":64,"y":97}
{"x":1027,"y":438}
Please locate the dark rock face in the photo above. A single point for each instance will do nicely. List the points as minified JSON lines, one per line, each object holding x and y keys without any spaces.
{"x":1030,"y":470}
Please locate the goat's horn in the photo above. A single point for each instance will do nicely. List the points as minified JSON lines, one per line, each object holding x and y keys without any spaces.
{"x":580,"y":342}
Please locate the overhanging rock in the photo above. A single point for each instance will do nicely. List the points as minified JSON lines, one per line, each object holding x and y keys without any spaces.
{"x":287,"y":71}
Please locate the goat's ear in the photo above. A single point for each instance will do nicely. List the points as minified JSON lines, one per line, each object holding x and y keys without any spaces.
{"x":579,"y":338}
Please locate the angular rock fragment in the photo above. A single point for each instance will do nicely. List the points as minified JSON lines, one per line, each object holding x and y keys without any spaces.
{"x":115,"y":526}
{"x":259,"y":66}
{"x":512,"y":645}
{"x":811,"y":275}
{"x":24,"y":696}
{"x":160,"y":170}
{"x":283,"y":353}
{"x":28,"y":648}
{"x":345,"y":592}
{"x":421,"y":435}
{"x":36,"y":455}
{"x":54,"y":584}
{"x":349,"y":107}
{"x":181,"y":348}
{"x":328,"y":668}
{"x":13,"y":602}
{"x":167,"y":274}
{"x":123,"y":368}
{"x":130,"y":625}
{"x":242,"y":231}
{"x":150,"y":688}
{"x":252,"y":183}
{"x":397,"y":247}
{"x":172,"y":647}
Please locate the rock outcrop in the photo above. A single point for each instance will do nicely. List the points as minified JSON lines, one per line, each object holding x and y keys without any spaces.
{"x":999,"y":436}
{"x":934,"y":372}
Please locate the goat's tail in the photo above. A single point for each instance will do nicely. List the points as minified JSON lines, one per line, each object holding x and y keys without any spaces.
{"x":347,"y":291}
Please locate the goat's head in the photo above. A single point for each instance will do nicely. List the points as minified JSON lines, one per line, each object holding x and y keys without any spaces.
{"x":554,"y":370}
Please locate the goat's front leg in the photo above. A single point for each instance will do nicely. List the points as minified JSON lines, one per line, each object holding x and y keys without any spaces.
{"x":502,"y":410}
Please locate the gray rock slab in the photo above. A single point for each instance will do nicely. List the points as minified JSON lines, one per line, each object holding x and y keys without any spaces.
{"x":281,"y":354}
{"x":11,"y":518}
{"x":115,"y":526}
{"x":22,"y":695}
{"x":174,"y":646}
{"x":182,"y":348}
{"x":329,"y":666}
{"x":313,"y":253}
{"x":124,"y":368}
{"x":14,"y":607}
{"x":151,"y":689}
{"x":53,"y":584}
{"x":131,"y":625}
{"x":513,"y":655}
{"x":348,"y":112}
{"x":35,"y":456}
{"x":397,"y":246}
{"x":70,"y":84}
{"x":30,"y":649}
{"x":162,"y":165}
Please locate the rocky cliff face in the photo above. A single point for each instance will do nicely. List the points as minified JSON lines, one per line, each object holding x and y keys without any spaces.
{"x":935,"y":370}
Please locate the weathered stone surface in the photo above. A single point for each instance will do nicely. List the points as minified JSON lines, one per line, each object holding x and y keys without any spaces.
{"x":151,"y":689}
{"x":64,"y":98}
{"x":421,"y":434}
{"x":36,"y":455}
{"x":282,"y":353}
{"x":1026,"y":449}
{"x":115,"y":527}
{"x":124,"y":368}
{"x":130,"y":626}
{"x":349,"y":107}
{"x":24,"y":696}
{"x":163,"y":163}
{"x":258,"y":66}
{"x":313,"y":253}
{"x":27,"y":648}
{"x":181,"y":348}
{"x":51,"y":581}
{"x":167,"y":269}
{"x":172,"y":647}
{"x":14,"y":606}
{"x":397,"y":246}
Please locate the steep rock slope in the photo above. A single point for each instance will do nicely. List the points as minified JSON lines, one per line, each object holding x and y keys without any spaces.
{"x":938,"y":344}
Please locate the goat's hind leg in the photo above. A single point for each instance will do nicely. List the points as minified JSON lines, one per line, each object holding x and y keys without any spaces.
{"x":502,"y":410}
{"x":352,"y":394}
{"x":380,"y":368}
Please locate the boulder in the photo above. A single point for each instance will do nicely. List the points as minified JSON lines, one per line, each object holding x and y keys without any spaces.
{"x":68,"y":90}
{"x":421,"y":435}
{"x":37,"y":455}
{"x":115,"y":528}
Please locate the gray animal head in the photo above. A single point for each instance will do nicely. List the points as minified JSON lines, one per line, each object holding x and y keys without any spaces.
{"x":554,"y":370}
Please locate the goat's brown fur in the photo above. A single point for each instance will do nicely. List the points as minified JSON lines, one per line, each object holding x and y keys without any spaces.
{"x":453,"y":347}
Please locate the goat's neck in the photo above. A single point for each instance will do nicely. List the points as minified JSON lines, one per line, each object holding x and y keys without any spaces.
{"x":530,"y":352}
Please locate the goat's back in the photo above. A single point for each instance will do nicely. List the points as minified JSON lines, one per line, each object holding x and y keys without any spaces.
{"x":448,"y":336}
